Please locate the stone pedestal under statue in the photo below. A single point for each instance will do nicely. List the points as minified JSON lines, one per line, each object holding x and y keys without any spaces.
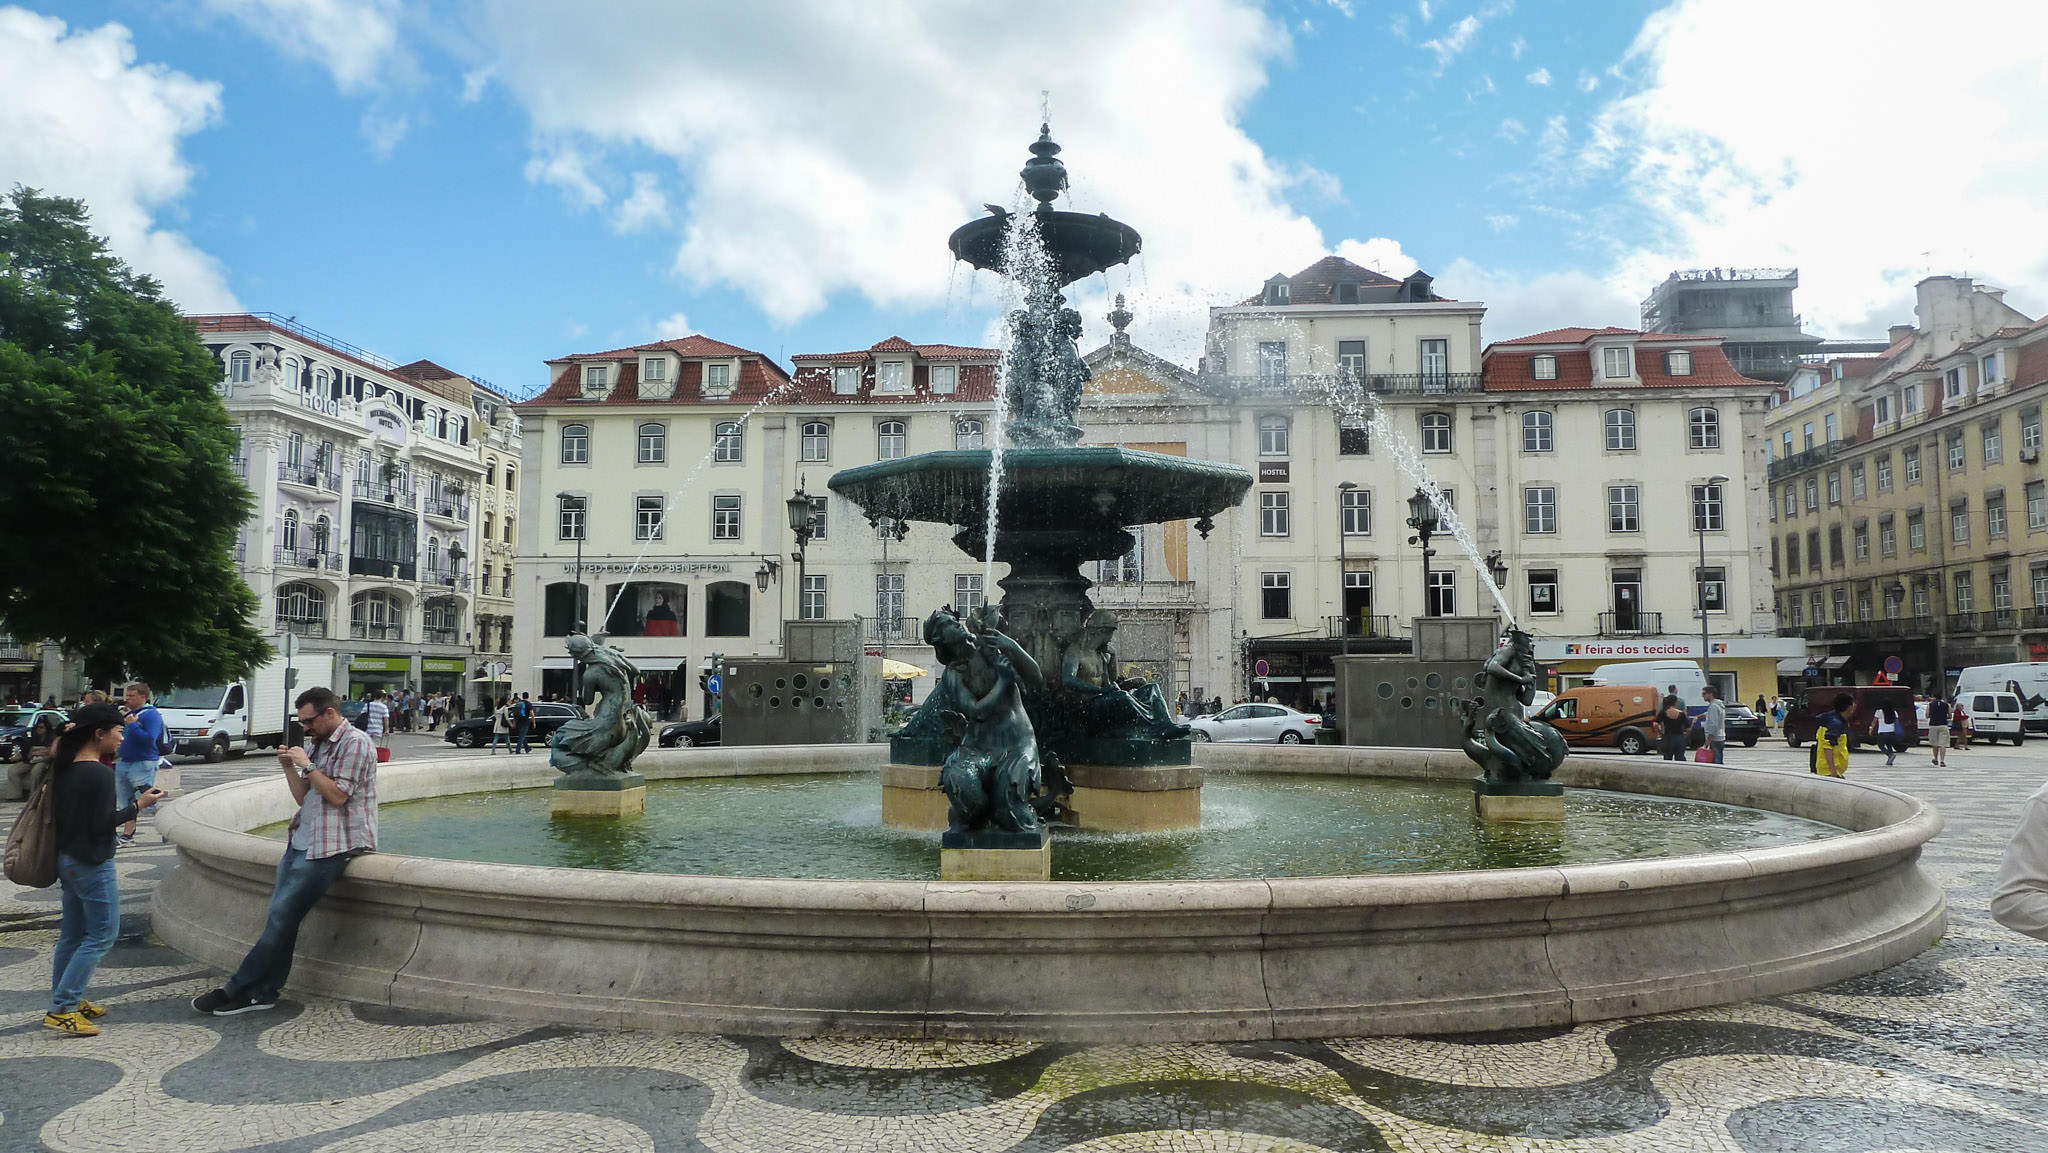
{"x":599,"y":795}
{"x":1518,"y":800}
{"x":1122,"y":786}
{"x":995,"y":855}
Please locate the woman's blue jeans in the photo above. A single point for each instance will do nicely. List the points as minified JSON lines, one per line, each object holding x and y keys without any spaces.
{"x":90,"y":922}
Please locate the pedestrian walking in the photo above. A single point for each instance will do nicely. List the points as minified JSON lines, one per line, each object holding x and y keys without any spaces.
{"x":522,"y":723}
{"x":1831,"y":737}
{"x":82,"y":794}
{"x":335,"y":786}
{"x":1715,"y":722}
{"x":135,"y":765}
{"x":1959,"y":725}
{"x":1672,"y":724}
{"x":1890,"y":735}
{"x":501,"y":728}
{"x":2019,"y":900}
{"x":377,"y":720}
{"x":1937,"y":730}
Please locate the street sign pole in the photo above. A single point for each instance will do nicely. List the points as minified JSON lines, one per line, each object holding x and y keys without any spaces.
{"x":288,"y":645}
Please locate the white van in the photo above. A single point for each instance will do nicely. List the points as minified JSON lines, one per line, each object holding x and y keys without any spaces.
{"x":1685,"y":675}
{"x":2027,"y":681}
{"x":1995,"y":715}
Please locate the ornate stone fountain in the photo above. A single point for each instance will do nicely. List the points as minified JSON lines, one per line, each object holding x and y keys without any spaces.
{"x":1111,"y":758}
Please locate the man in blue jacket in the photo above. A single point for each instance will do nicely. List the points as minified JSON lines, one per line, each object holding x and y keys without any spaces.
{"x":135,"y":763}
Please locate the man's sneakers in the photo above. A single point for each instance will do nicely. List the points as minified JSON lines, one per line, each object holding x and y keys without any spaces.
{"x":124,"y":841}
{"x":221,"y":1003}
{"x":72,"y":1024}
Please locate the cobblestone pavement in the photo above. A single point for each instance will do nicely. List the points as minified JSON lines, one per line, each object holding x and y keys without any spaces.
{"x":1946,"y":1052}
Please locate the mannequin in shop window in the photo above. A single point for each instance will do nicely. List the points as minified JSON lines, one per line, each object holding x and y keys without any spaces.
{"x":661,"y":619}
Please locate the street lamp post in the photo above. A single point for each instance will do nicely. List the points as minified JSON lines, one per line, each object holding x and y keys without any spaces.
{"x":1497,"y":568}
{"x":1699,"y":524}
{"x":1344,"y":491}
{"x":799,"y":509}
{"x":1422,"y":517}
{"x":579,"y":605}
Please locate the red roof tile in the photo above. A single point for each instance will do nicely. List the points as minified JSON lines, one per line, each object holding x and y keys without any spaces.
{"x":683,"y":346}
{"x":759,"y":377}
{"x":1582,"y":335}
{"x":898,"y":344}
{"x":1513,"y":372}
{"x":426,"y":370}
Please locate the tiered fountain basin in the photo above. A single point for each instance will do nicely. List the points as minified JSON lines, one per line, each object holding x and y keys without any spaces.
{"x":1216,"y":959}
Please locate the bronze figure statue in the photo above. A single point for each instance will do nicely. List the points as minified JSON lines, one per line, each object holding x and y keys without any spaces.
{"x":991,"y":777}
{"x":603,"y":743}
{"x":1498,"y":736}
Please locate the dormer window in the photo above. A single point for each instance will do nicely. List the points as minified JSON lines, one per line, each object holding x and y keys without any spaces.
{"x":945,"y":378}
{"x":1543,"y":367}
{"x":892,"y":376}
{"x":717,"y":379}
{"x":1678,"y":362}
{"x":596,"y":378}
{"x":1617,"y":363}
{"x":846,"y":380}
{"x":1347,"y":292}
{"x":1277,"y":292}
{"x":654,"y":368}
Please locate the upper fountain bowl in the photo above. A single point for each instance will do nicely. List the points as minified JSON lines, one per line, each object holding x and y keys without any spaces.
{"x":1076,"y":244}
{"x":1046,"y":488}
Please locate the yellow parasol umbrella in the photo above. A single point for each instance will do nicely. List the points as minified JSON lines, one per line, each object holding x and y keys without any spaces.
{"x":901,"y":671}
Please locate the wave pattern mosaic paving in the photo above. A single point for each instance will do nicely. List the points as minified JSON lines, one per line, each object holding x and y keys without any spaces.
{"x":1946,"y":1052}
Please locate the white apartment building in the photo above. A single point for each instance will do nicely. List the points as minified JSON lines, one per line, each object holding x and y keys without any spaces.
{"x":671,"y":465}
{"x":365,"y":475}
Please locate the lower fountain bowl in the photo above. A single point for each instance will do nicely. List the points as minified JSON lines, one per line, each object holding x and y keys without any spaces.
{"x":1273,"y":957}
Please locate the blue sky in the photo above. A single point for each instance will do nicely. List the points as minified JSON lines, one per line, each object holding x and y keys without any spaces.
{"x":491,"y":183}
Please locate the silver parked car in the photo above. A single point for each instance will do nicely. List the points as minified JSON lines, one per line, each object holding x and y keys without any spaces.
{"x":1256,"y":723}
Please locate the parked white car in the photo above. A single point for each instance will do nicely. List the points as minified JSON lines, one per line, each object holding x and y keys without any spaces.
{"x":1255,"y":723}
{"x":1995,"y":715}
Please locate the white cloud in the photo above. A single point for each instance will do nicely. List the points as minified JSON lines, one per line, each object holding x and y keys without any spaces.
{"x":80,"y":118}
{"x":1540,"y":77}
{"x":673,"y":325}
{"x":1587,"y":81}
{"x":1867,"y":177}
{"x":1425,"y":10}
{"x":474,"y":82}
{"x":1512,"y":129}
{"x":1379,"y":254}
{"x":1453,"y":42}
{"x":814,"y":181}
{"x":356,"y":41}
{"x":1517,"y":47}
{"x":1518,"y":305}
{"x":1347,"y":7}
{"x":645,"y":206}
{"x":1502,"y":221}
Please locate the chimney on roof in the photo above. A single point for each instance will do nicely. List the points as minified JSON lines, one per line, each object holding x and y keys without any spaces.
{"x":1899,"y":332}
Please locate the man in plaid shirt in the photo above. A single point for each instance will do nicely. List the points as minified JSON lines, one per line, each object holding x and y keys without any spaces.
{"x":336,"y":789}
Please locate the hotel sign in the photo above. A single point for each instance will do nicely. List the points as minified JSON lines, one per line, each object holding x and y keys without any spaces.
{"x":685,"y":567}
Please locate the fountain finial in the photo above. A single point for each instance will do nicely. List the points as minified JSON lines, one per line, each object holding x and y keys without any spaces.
{"x":1044,"y":176}
{"x":1120,"y":317}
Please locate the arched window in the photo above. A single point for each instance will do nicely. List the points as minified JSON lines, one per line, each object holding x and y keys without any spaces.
{"x":817,"y":444}
{"x":289,"y":538}
{"x":292,"y":374}
{"x":238,"y":367}
{"x":653,"y":443}
{"x":1704,"y":428}
{"x":575,"y":444}
{"x":726,"y":443}
{"x":320,"y":381}
{"x":1273,"y":435}
{"x":363,"y":475}
{"x":1621,"y":429}
{"x":376,"y":616}
{"x":295,"y":451}
{"x":491,"y":475}
{"x":891,"y":440}
{"x":967,"y":434}
{"x":1538,"y":427}
{"x":725,"y":609}
{"x":434,"y":554}
{"x":1436,"y":432}
{"x":302,"y":609}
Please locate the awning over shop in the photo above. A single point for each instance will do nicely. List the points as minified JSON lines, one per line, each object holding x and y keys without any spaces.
{"x":555,"y":663}
{"x":1792,"y":667}
{"x":1797,"y":666}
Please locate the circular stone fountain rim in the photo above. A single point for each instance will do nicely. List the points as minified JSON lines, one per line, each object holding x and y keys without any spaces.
{"x":182,"y":822}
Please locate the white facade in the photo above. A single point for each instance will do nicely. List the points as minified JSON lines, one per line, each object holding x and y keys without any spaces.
{"x":366,"y":477}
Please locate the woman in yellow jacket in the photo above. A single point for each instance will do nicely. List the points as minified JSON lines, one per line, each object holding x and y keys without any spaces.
{"x":1831,"y":737}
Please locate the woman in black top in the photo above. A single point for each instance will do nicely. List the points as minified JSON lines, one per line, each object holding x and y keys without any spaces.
{"x":1672,"y":722}
{"x":82,"y":792}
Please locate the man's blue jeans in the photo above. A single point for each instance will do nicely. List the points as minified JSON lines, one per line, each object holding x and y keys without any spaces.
{"x":300,"y":885}
{"x":525,"y":732}
{"x":90,"y":922}
{"x":1720,"y":748}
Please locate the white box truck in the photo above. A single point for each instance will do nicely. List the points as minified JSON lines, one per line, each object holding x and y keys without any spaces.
{"x":241,"y":716}
{"x":1685,"y":675}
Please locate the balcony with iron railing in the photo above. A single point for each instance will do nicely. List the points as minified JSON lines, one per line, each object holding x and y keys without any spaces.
{"x":1989,"y":620}
{"x":1143,"y":594}
{"x":310,"y":476}
{"x":447,"y":578}
{"x":1819,"y":454}
{"x":310,"y":558}
{"x":2034,"y":618}
{"x":447,"y":507}
{"x":304,"y":626}
{"x":1635,"y":624}
{"x":1326,"y":387}
{"x":398,"y":493}
{"x":890,"y":630}
{"x":437,"y":635}
{"x":379,"y":567}
{"x":12,"y":649}
{"x":1376,"y":626}
{"x":358,"y":630}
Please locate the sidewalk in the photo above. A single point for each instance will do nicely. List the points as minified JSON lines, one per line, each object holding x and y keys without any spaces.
{"x":1948,"y":1051}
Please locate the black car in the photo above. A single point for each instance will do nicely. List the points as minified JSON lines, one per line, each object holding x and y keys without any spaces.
{"x":1744,"y":726}
{"x":475,"y":732}
{"x":704,"y":732}
{"x":15,"y":724}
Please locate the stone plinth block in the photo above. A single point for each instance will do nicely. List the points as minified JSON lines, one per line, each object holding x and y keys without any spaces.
{"x":1518,"y":800}
{"x":911,"y":797}
{"x":992,"y":855}
{"x":592,"y":795}
{"x":1125,"y":798}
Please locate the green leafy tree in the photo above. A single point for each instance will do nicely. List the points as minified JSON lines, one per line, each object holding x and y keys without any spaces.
{"x":120,"y":503}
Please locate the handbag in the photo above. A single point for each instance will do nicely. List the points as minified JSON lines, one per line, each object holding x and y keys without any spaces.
{"x":1704,"y":756}
{"x":30,"y":858}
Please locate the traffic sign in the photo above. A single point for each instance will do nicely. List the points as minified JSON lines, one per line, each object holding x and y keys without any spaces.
{"x":715,"y":684}
{"x":1261,"y":669}
{"x":288,"y":645}
{"x":1893,"y":666}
